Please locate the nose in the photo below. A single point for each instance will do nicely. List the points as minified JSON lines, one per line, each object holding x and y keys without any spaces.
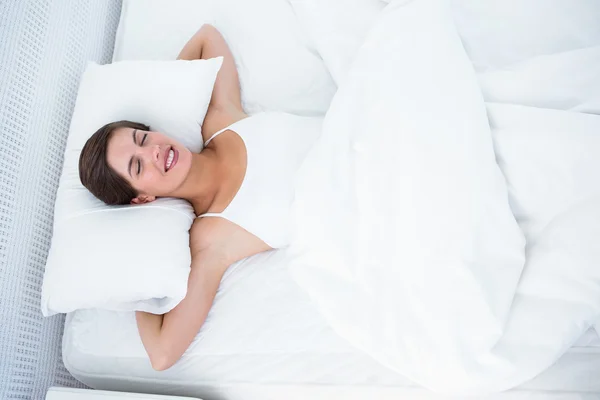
{"x":156,"y":153}
{"x":151,"y":153}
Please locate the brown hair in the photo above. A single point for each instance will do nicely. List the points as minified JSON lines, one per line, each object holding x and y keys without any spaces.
{"x":95,"y":173}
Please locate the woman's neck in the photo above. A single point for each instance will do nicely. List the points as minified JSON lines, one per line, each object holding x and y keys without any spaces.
{"x":202,"y":183}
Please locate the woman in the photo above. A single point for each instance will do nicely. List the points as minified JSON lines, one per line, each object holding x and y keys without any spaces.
{"x":124,"y":162}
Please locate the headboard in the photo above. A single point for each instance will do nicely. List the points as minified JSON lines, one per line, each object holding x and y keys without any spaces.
{"x":44,"y":47}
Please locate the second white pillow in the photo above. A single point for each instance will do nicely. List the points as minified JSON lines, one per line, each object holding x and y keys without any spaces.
{"x":337,"y":28}
{"x":277,"y":71}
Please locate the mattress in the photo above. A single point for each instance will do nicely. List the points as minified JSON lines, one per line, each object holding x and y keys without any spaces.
{"x":262,"y":338}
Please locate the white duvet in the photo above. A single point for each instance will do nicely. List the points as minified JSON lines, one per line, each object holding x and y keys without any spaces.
{"x":458,"y":250}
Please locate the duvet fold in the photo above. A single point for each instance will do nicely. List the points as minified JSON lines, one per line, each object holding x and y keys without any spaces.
{"x":406,"y":232}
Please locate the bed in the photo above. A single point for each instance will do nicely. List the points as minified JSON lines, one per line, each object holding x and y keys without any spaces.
{"x":264,"y":337}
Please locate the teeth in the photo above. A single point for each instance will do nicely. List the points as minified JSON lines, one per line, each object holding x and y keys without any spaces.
{"x":170,"y":158}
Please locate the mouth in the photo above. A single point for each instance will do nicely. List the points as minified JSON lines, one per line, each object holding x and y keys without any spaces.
{"x":171,"y":158}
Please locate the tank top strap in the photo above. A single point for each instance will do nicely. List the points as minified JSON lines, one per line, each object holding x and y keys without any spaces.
{"x":210,"y":215}
{"x":230,"y":127}
{"x":216,"y":134}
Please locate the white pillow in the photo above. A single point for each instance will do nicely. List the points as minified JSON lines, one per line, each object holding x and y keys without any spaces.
{"x":127,"y":257}
{"x":337,"y":29}
{"x":277,"y":70}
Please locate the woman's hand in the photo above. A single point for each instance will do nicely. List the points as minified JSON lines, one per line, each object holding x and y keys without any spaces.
{"x":166,"y":337}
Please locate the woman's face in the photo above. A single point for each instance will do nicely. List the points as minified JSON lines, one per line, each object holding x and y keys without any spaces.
{"x":154,"y":164}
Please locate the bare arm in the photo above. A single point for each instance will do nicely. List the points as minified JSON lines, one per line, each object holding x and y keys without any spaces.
{"x":225,"y":106}
{"x":166,"y":337}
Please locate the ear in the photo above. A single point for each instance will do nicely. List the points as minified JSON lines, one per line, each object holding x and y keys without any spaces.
{"x":142,"y":199}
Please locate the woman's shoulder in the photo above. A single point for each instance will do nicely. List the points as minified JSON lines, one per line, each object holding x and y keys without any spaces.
{"x":224,"y":238}
{"x":205,"y":233}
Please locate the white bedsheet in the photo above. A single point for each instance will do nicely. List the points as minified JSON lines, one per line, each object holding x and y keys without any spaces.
{"x":566,"y":80}
{"x":550,"y":160}
{"x":499,"y":34}
{"x":265,"y":340}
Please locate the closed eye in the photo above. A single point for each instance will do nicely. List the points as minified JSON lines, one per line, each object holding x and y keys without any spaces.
{"x":139,"y":167}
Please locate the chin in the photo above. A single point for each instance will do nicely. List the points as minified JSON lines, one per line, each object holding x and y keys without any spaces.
{"x":177,"y":176}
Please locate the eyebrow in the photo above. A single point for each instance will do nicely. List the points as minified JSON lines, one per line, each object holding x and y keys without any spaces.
{"x":131,"y":159}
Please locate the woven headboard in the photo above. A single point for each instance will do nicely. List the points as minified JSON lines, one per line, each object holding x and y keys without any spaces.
{"x":44,"y":47}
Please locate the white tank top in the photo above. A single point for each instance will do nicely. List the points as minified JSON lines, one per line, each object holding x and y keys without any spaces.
{"x":276,"y":144}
